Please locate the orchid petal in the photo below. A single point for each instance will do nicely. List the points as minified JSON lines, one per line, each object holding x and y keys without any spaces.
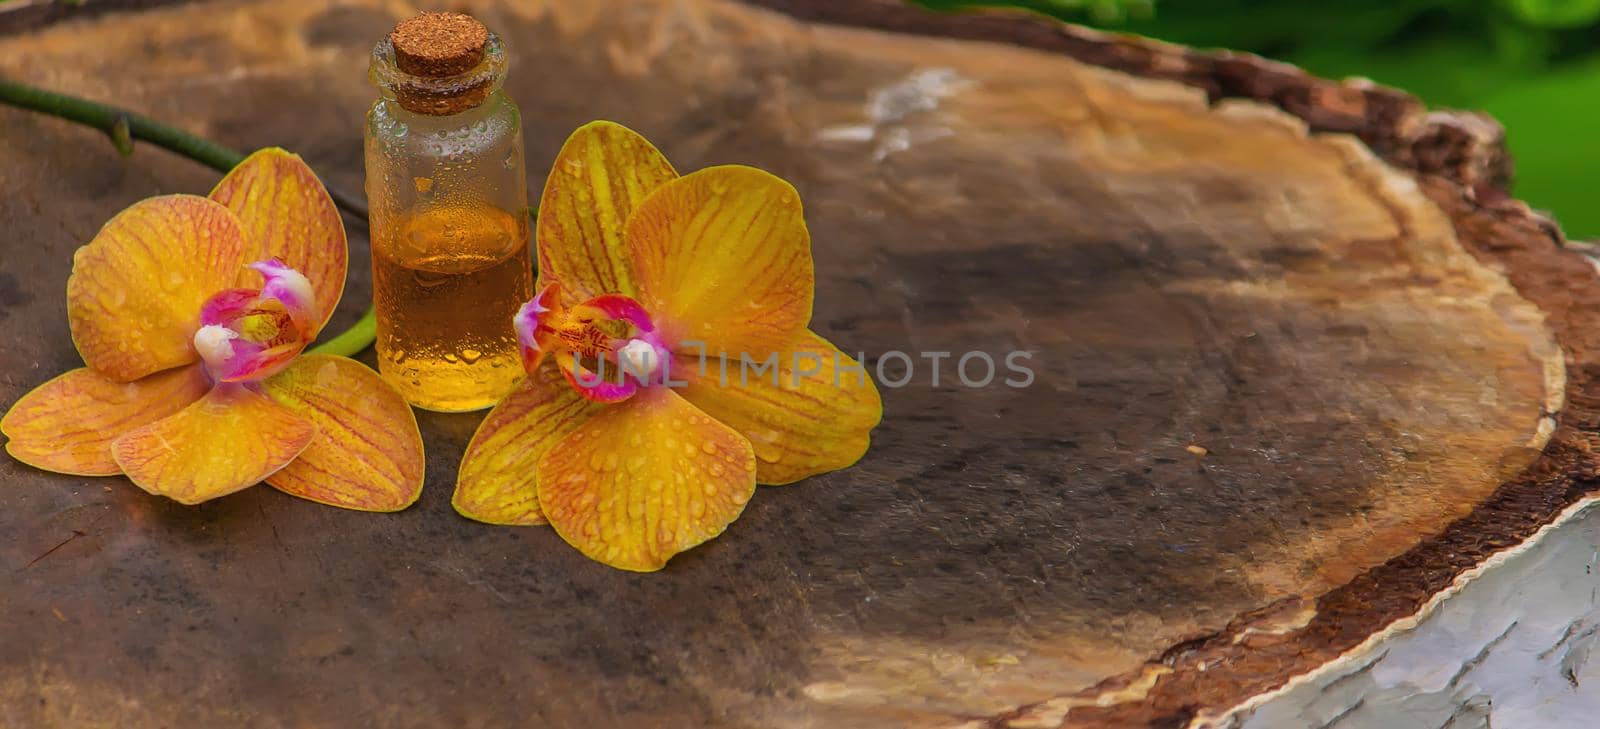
{"x":230,"y":439}
{"x":722,"y":257}
{"x":136,"y":289}
{"x":287,"y":214}
{"x":811,"y":414}
{"x":367,"y":454}
{"x":498,"y":479}
{"x":644,"y":480}
{"x":67,"y":425}
{"x":603,"y":172}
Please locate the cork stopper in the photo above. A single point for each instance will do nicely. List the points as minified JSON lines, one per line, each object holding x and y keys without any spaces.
{"x":439,"y":63}
{"x":436,"y":45}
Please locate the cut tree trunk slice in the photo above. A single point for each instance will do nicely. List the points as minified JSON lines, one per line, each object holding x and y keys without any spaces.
{"x":1298,"y":364}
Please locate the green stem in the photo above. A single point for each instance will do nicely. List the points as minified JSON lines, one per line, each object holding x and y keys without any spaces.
{"x":123,"y":127}
{"x":108,"y":119}
{"x":350,"y":342}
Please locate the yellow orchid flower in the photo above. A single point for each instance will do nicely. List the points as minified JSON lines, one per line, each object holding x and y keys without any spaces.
{"x":654,"y":276}
{"x":191,"y":313}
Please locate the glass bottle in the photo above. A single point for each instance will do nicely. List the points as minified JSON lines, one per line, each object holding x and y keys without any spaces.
{"x":448,"y":197}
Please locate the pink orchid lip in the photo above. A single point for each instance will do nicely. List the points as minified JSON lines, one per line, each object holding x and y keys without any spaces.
{"x":247,"y":335}
{"x":593,"y":385}
{"x":534,"y":331}
{"x":601,"y":367}
{"x":290,"y":288}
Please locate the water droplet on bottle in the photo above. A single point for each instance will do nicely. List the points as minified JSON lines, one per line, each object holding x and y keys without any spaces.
{"x":471,"y":356}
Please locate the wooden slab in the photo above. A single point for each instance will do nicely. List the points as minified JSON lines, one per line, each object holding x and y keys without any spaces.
{"x":1285,"y":391}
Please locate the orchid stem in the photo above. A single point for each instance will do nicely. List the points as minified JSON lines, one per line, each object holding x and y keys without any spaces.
{"x":116,"y":122}
{"x":350,"y":342}
{"x":123,"y":127}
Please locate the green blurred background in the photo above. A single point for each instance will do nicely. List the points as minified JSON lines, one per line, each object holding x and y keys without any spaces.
{"x":1533,"y":64}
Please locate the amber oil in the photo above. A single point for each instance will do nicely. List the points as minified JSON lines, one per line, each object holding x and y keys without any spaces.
{"x":447,"y":277}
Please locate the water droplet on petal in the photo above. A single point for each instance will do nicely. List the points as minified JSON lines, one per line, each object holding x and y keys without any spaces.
{"x":327,"y":374}
{"x":766,"y":452}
